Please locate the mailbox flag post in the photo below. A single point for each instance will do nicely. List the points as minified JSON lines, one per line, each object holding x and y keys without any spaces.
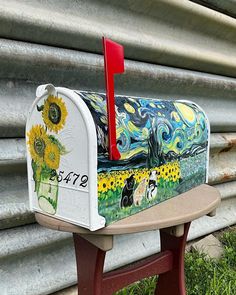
{"x":114,"y":64}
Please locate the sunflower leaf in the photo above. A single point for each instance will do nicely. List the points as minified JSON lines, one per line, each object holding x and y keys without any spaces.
{"x":37,"y":171}
{"x":46,"y":172}
{"x":61,"y":147}
{"x":34,"y":167}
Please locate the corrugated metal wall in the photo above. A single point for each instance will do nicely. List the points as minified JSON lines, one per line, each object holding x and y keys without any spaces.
{"x":174,"y":49}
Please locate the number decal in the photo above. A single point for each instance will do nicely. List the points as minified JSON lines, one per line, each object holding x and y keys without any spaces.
{"x":53,"y":174}
{"x":59,"y":177}
{"x":84,"y":180}
{"x":68,"y":177}
{"x":77,"y":176}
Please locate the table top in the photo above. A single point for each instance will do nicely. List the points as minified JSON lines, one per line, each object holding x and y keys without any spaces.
{"x":181,"y":209}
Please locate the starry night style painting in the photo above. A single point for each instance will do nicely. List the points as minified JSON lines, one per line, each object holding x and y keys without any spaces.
{"x":164,"y":152}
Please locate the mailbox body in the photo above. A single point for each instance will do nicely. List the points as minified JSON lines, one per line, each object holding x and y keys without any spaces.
{"x":164,"y":147}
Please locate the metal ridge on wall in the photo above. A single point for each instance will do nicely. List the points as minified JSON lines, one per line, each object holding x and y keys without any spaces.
{"x":22,"y":69}
{"x":226,"y":7}
{"x":169,"y":32}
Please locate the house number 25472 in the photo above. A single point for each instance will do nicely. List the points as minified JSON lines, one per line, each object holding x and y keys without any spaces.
{"x":71,"y":177}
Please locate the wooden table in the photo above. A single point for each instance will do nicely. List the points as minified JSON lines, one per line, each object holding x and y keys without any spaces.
{"x":172,"y":218}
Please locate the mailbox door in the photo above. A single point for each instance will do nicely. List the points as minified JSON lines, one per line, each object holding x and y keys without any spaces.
{"x":62,"y":159}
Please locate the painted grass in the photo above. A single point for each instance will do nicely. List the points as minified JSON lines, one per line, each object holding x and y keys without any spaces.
{"x":174,"y":178}
{"x":110,"y":206}
{"x":204,"y":276}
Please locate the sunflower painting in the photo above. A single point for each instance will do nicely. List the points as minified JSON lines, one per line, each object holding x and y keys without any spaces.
{"x":38,"y":140}
{"x":46,"y":150}
{"x":54,"y":113}
{"x":52,"y":156}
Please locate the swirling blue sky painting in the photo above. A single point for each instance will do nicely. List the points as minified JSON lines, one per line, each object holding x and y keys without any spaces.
{"x":151,"y":134}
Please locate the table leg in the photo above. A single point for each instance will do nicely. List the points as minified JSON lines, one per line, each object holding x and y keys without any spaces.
{"x":173,"y":282}
{"x":90,"y":262}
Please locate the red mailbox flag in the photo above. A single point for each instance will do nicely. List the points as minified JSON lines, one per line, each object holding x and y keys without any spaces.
{"x":114,"y":64}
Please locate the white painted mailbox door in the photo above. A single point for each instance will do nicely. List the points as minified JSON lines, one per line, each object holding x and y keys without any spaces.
{"x":62,"y":159}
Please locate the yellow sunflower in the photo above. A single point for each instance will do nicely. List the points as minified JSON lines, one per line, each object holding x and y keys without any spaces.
{"x":178,"y":174}
{"x":121,"y":179}
{"x":163,"y":172}
{"x":108,"y":184}
{"x":54,"y":113}
{"x":139,"y":177}
{"x":102,"y":185}
{"x":52,"y":156}
{"x":100,"y":176}
{"x":112,"y":182}
{"x":99,"y":186}
{"x":175,"y":178}
{"x":37,"y":143}
{"x":145,"y":174}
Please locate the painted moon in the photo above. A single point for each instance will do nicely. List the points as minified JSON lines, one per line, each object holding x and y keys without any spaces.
{"x":186,"y":113}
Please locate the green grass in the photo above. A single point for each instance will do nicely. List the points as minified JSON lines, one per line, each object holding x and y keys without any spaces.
{"x":204,"y":276}
{"x":146,"y":286}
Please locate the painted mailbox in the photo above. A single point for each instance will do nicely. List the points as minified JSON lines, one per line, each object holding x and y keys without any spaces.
{"x":163,"y":148}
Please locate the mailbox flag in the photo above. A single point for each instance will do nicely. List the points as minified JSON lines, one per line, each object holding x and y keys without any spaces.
{"x":114,"y":64}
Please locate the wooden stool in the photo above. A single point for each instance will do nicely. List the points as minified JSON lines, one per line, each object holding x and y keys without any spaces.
{"x":172,"y":218}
